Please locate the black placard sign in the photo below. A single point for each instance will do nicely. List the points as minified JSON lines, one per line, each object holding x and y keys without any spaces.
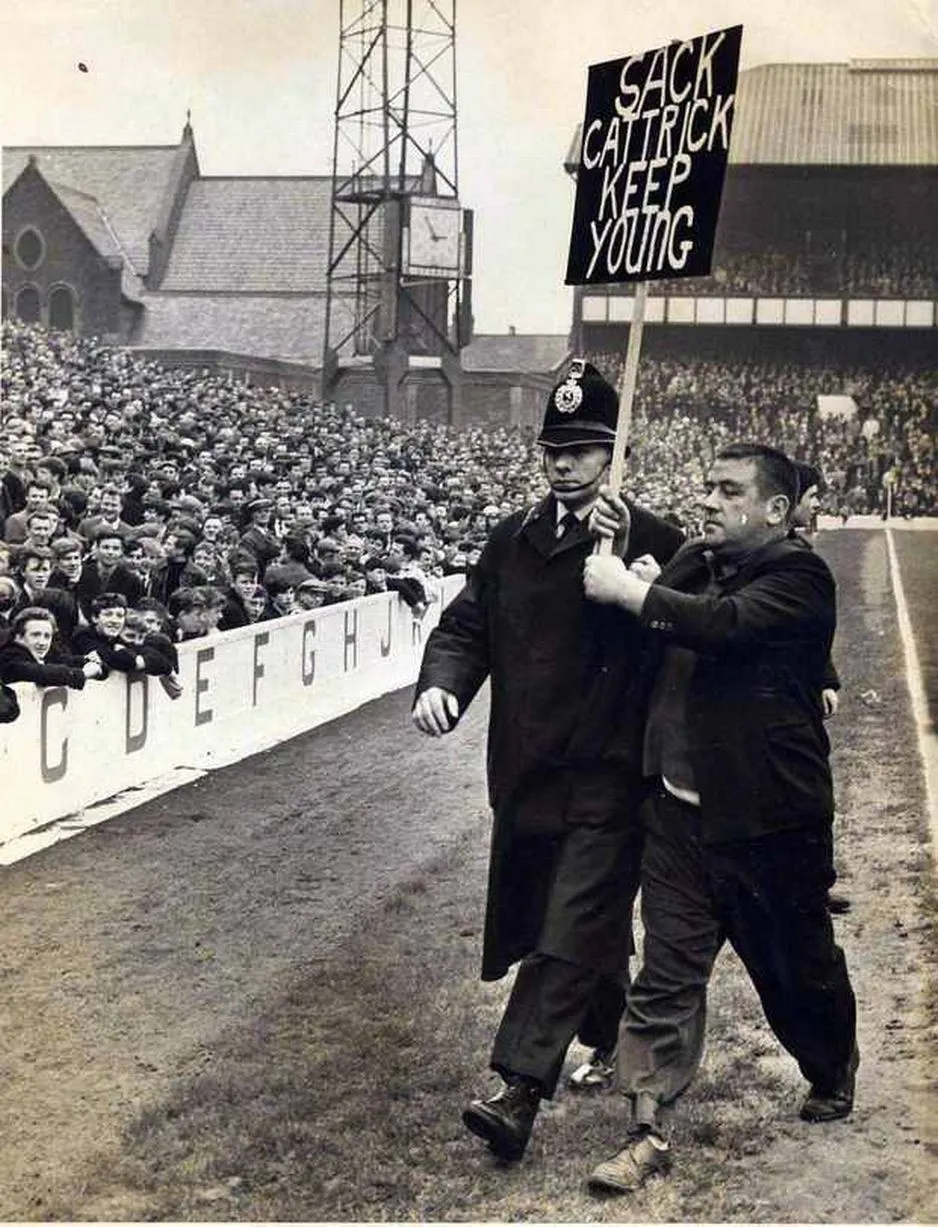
{"x":656,"y":137}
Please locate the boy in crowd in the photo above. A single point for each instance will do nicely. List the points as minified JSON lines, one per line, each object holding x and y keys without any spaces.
{"x":28,"y":656}
{"x":103,"y":636}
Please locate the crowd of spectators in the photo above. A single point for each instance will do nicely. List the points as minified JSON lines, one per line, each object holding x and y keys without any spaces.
{"x":894,"y":269}
{"x":142,"y":506}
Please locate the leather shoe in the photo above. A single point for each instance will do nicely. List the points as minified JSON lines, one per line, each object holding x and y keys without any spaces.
{"x":836,"y":1102}
{"x":645,"y":1156}
{"x":505,"y":1120}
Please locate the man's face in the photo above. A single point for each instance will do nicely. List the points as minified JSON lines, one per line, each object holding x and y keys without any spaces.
{"x":19,"y":450}
{"x":110,"y":504}
{"x":807,"y":508}
{"x":36,"y":497}
{"x":211,"y":616}
{"x":192,"y":621}
{"x":211,"y":529}
{"x":70,"y":565}
{"x":735,"y":512}
{"x":36,"y":573}
{"x":244,"y":585}
{"x":110,"y":621}
{"x":36,"y":636}
{"x":575,"y":472}
{"x":41,"y":527}
{"x":151,"y":620}
{"x":109,"y":551}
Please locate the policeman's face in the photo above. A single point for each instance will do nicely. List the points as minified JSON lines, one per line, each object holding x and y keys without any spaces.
{"x":37,"y":637}
{"x":735,"y":511}
{"x":575,"y":472}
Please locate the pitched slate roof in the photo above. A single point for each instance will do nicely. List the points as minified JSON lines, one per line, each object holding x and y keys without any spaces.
{"x":288,"y":327}
{"x":534,"y":354}
{"x":252,"y":235}
{"x":128,"y":182}
{"x":92,"y":220}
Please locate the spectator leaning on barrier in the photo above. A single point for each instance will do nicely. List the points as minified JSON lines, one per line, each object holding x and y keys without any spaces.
{"x":738,"y":832}
{"x":563,"y":759}
{"x":28,"y":656}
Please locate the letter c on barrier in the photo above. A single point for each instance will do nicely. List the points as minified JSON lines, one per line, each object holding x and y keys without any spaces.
{"x":308,"y":653}
{"x":55,"y":697}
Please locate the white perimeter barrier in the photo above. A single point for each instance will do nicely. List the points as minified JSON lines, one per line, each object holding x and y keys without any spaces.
{"x":244,"y":691}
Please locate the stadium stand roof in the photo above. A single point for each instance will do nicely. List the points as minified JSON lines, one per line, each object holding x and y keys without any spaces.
{"x":865,"y":113}
{"x":861,"y":113}
{"x":515,"y":352}
{"x":128,"y":183}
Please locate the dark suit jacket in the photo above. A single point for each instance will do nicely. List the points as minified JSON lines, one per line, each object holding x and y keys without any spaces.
{"x":563,"y":744}
{"x":754,"y":720}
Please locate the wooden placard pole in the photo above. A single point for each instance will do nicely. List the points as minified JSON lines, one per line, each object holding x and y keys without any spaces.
{"x":627,"y":384}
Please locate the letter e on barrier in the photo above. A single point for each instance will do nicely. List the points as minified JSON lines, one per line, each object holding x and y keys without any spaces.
{"x":136,"y":741}
{"x":56,"y":696}
{"x":260,"y":641}
{"x":203,"y":715}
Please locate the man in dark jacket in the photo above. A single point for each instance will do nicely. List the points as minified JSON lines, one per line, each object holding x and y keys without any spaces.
{"x":29,"y":656}
{"x":738,"y":832}
{"x":563,"y":759}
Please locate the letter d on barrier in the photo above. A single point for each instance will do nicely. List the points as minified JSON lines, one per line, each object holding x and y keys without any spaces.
{"x":136,"y":741}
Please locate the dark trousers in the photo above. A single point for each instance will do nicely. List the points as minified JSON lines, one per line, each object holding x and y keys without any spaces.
{"x":768,"y":898}
{"x":551,"y":1002}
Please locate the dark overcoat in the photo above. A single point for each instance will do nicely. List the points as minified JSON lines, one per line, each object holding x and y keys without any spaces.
{"x":762,"y":630}
{"x":563,"y":742}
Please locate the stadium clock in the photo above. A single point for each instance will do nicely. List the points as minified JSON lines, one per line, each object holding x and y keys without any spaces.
{"x":434,"y":238}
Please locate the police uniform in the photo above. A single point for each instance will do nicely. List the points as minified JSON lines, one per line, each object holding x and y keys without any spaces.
{"x":563,"y":764}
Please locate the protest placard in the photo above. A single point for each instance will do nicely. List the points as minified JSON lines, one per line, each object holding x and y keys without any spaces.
{"x":655,"y":142}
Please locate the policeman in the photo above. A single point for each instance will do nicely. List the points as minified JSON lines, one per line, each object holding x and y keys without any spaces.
{"x":563,"y":758}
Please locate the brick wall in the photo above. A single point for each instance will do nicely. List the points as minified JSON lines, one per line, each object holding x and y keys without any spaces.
{"x":69,"y":259}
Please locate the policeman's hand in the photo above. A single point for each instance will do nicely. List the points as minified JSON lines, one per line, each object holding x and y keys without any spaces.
{"x":830,"y":701}
{"x":93,"y":669}
{"x":610,"y":518}
{"x":436,"y":711}
{"x":646,"y":568}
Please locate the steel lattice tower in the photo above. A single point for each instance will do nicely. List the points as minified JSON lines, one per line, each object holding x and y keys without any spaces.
{"x":395,"y":137}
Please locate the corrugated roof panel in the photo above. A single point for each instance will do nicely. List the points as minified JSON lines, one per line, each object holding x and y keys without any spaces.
{"x":876,"y":113}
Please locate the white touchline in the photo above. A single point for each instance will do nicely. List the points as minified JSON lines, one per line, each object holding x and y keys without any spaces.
{"x":927,"y":741}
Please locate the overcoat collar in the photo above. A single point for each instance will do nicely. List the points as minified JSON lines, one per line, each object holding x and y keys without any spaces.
{"x":539,"y":527}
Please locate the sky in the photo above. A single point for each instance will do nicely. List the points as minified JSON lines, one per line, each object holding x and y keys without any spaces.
{"x":260,"y":79}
